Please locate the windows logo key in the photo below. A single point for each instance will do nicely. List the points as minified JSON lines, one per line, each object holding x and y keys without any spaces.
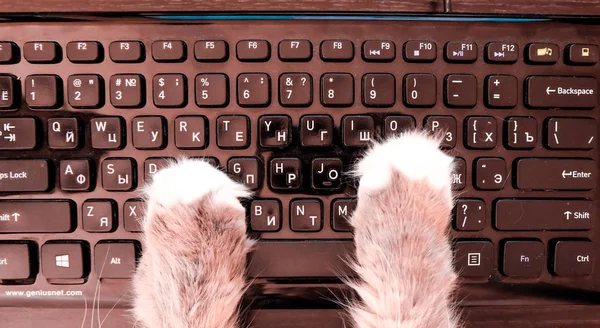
{"x":62,"y":261}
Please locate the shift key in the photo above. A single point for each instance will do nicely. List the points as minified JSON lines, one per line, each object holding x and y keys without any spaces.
{"x":556,"y":174}
{"x":24,"y":175}
{"x":30,"y":216}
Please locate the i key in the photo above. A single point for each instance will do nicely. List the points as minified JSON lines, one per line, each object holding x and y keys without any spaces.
{"x":326,"y":173}
{"x":169,"y":90}
{"x":316,"y":130}
{"x":85,"y":91}
{"x":253,"y":90}
{"x":469,"y":215}
{"x":63,"y":133}
{"x":358,"y":130}
{"x":275,"y":131}
{"x":75,"y":175}
{"x":285,"y":173}
{"x":99,"y":216}
{"x":43,"y":91}
{"x":246,"y":170}
{"x":148,"y":132}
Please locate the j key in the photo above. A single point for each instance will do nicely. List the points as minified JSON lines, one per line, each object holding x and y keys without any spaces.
{"x":573,"y":258}
{"x":501,"y":91}
{"x":212,"y":90}
{"x":191,"y":132}
{"x":18,"y":133}
{"x":15,"y":261}
{"x":542,"y":53}
{"x":211,"y":50}
{"x":169,"y":90}
{"x":295,"y":89}
{"x":246,"y":170}
{"x":42,"y":52}
{"x":337,"y":89}
{"x":169,"y":51}
{"x":501,"y":52}
{"x":445,"y":125}
{"x":29,"y":216}
{"x":43,"y":91}
{"x":127,"y":91}
{"x":341,"y":211}
{"x":582,"y":54}
{"x":233,"y":131}
{"x":149,"y":132}
{"x":306,"y":215}
{"x":379,"y":90}
{"x":357,"y":130}
{"x":420,"y":51}
{"x":459,"y":181}
{"x":265,"y":215}
{"x":558,"y":174}
{"x":571,"y":133}
{"x":461,"y":90}
{"x":253,"y":50}
{"x":558,"y":214}
{"x":337,"y":50}
{"x":379,"y":51}
{"x":316,"y":131}
{"x":474,"y":258}
{"x":326,"y":173}
{"x":62,"y":260}
{"x":521,"y":132}
{"x":469,"y":215}
{"x":295,"y":50}
{"x":154,"y":164}
{"x":85,"y":52}
{"x":398,"y":124}
{"x":107,"y":132}
{"x":85,"y":91}
{"x":127,"y":51}
{"x":490,"y":173}
{"x":8,"y":52}
{"x":253,"y":90}
{"x":9,"y":92}
{"x":75,"y":175}
{"x":482,"y":132}
{"x":420,"y":90}
{"x":523,"y":258}
{"x":118,"y":174}
{"x":461,"y":51}
{"x":133,"y":214}
{"x":99,"y":215}
{"x":63,"y":133}
{"x":275,"y":131}
{"x":115,"y":260}
{"x":24,"y":175}
{"x":285,"y":173}
{"x":561,"y":92}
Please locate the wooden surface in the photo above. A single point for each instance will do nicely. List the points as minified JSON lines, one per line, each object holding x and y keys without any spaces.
{"x":532,"y":7}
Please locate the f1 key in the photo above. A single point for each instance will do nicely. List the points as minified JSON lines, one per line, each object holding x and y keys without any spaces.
{"x":556,"y":174}
{"x":571,"y":133}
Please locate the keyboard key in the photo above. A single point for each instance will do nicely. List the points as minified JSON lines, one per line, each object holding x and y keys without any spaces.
{"x":573,"y":258}
{"x":398,"y":124}
{"x":154,"y":164}
{"x":326,"y":173}
{"x":127,"y":51}
{"x":99,"y":215}
{"x":461,"y":90}
{"x":337,"y":50}
{"x":275,"y":131}
{"x":474,"y":258}
{"x":20,"y":175}
{"x":253,"y":50}
{"x":127,"y":91}
{"x":561,"y":92}
{"x":107,"y":132}
{"x":75,"y":175}
{"x":306,"y":215}
{"x":212,"y":90}
{"x":379,"y":51}
{"x":115,"y":259}
{"x":490,"y":173}
{"x":295,"y":89}
{"x":443,"y":124}
{"x":420,"y":90}
{"x":169,"y":90}
{"x":265,"y":215}
{"x":501,"y":91}
{"x":357,"y":130}
{"x":36,"y":216}
{"x":85,"y":91}
{"x":461,"y":51}
{"x":165,"y":51}
{"x":571,"y":133}
{"x":9,"y":92}
{"x":557,"y":214}
{"x":337,"y":90}
{"x":420,"y":51}
{"x":246,"y":170}
{"x":149,"y":132}
{"x":133,"y":215}
{"x":233,"y":131}
{"x":521,"y":132}
{"x":469,"y":215}
{"x":295,"y":50}
{"x":542,"y":53}
{"x":502,"y":52}
{"x":18,"y":133}
{"x":62,"y":260}
{"x":63,"y":133}
{"x":15,"y":261}
{"x":379,"y":90}
{"x":558,"y":174}
{"x":42,"y":52}
{"x":316,"y":131}
{"x":211,"y":51}
{"x":43,"y":91}
{"x":482,"y":132}
{"x":253,"y":90}
{"x":85,"y":52}
{"x":582,"y":54}
{"x":191,"y":132}
{"x":341,"y":212}
{"x":285,"y":173}
{"x":523,"y":258}
{"x":459,"y":181}
{"x":8,"y":52}
{"x":118,"y":174}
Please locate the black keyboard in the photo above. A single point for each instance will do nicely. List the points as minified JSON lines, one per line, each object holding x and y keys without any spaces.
{"x":90,"y":110}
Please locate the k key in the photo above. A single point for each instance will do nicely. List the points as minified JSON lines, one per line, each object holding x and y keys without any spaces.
{"x":85,"y":91}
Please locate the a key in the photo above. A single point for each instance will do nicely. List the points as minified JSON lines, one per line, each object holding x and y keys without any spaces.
{"x":337,"y":50}
{"x":212,"y":90}
{"x":265,"y":215}
{"x":133,"y":214}
{"x":62,"y":260}
{"x":42,"y":52}
{"x":398,"y":124}
{"x":253,"y":50}
{"x":501,"y":91}
{"x":420,"y":51}
{"x":8,"y":52}
{"x":246,"y":170}
{"x":211,"y":51}
{"x":582,"y":54}
{"x":154,"y":164}
{"x":445,"y":125}
{"x":85,"y":91}
{"x":573,"y":258}
{"x":20,"y":175}
{"x":115,"y":260}
{"x":118,"y":174}
{"x":523,"y":258}
{"x":295,"y":50}
{"x":63,"y":133}
{"x":169,"y":90}
{"x":275,"y":131}
{"x":337,"y":90}
{"x":9,"y":89}
{"x":43,"y":91}
{"x":15,"y":261}
{"x":253,"y":90}
{"x":191,"y":132}
{"x":469,"y":215}
{"x":357,"y":130}
{"x":482,"y":132}
{"x":460,"y":51}
{"x":75,"y":175}
{"x":295,"y":89}
{"x":127,"y":51}
{"x":379,"y":51}
{"x":233,"y":131}
{"x":474,"y":258}
{"x":501,"y":52}
{"x":379,"y":90}
{"x":326,"y":173}
{"x":341,"y":211}
{"x":458,"y":177}
{"x":558,"y":174}
{"x":127,"y":91}
{"x":81,"y":52}
{"x":99,"y":215}
{"x":37,"y":216}
{"x":566,"y":92}
{"x":18,"y":133}
{"x":542,"y":53}
{"x":557,"y":214}
{"x":285,"y":173}
{"x":490,"y":173}
{"x":169,"y":51}
{"x":420,"y":90}
{"x":521,"y":132}
{"x":306,"y":215}
{"x":148,"y":132}
{"x":107,"y":132}
{"x":316,"y":131}
{"x":461,"y":90}
{"x":571,"y":133}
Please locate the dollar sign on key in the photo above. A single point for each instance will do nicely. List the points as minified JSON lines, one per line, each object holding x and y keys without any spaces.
{"x":161,"y":82}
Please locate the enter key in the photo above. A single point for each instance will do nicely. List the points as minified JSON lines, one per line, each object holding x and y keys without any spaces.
{"x":556,"y":174}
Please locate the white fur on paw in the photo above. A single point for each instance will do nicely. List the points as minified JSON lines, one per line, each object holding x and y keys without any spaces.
{"x":188,"y":180}
{"x":415,"y":154}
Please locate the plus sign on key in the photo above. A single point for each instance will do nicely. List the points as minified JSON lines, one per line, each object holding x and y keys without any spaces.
{"x":501,"y":91}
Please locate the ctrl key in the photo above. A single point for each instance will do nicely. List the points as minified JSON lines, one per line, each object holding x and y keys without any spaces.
{"x":573,"y":258}
{"x":14,"y":262}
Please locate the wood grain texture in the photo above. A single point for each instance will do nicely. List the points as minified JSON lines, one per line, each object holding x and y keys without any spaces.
{"x":528,"y":7}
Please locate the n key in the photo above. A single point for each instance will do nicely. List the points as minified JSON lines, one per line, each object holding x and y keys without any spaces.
{"x":107,"y":132}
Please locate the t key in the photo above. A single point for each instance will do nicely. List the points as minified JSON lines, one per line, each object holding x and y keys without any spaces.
{"x":85,"y":91}
{"x":43,"y":91}
{"x":232,"y":131}
{"x":253,"y":90}
{"x":481,"y":132}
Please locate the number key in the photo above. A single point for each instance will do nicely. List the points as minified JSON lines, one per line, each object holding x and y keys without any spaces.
{"x":420,"y":90}
{"x":127,"y":90}
{"x":379,"y":90}
{"x":169,"y":90}
{"x":253,"y":90}
{"x":337,"y":90}
{"x":212,"y":90}
{"x":295,"y":89}
{"x":85,"y":91}
{"x":43,"y":91}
